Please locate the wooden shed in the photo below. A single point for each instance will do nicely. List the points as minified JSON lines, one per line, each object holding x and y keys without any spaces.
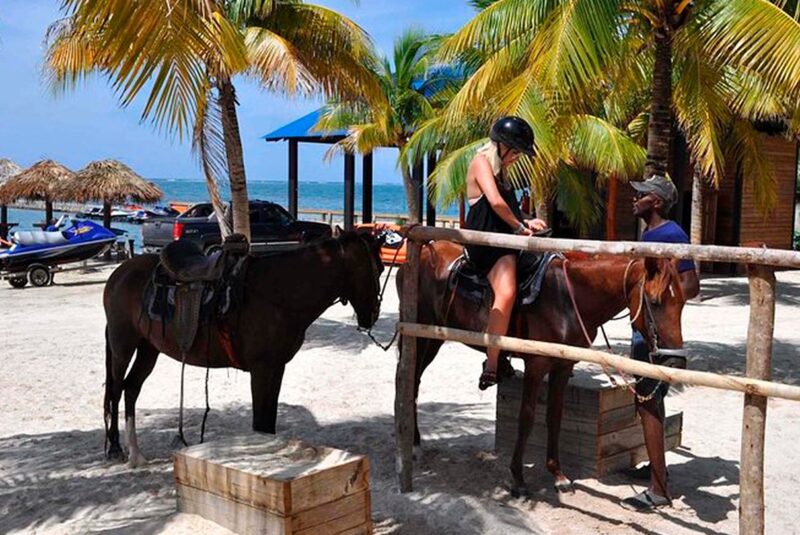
{"x":731,"y":215}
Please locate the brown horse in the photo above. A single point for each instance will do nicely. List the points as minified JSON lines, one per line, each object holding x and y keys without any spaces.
{"x":603,"y":286}
{"x":283,"y":295}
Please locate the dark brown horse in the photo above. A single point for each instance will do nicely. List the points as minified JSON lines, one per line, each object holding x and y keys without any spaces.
{"x":603,"y":286}
{"x":283,"y":295}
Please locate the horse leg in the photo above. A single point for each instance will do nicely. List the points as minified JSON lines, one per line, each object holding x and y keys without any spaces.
{"x":527,"y":413}
{"x":146,"y":357}
{"x":559,"y":377}
{"x":427,"y":350}
{"x":118,"y":355}
{"x":265,"y":386}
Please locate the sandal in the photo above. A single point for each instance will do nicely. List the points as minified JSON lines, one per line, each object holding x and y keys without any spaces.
{"x":487,"y":379}
{"x":645,"y":501}
{"x":641,"y":473}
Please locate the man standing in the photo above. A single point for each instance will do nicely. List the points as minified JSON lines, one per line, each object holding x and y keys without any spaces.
{"x":652,"y":202}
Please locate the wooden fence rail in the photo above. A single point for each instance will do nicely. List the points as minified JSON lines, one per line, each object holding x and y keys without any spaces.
{"x":756,"y":387}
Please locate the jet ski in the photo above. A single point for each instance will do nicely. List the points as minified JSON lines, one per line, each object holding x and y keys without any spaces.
{"x":32,"y":253}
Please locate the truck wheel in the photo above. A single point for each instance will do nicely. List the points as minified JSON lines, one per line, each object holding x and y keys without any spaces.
{"x":19,"y":282}
{"x":39,"y":275}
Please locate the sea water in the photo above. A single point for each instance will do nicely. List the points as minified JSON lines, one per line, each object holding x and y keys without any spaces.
{"x":386,"y":199}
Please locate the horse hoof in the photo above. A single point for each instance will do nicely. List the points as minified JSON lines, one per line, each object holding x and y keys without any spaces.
{"x":564,"y":485}
{"x":115,"y":453}
{"x":136,"y":460}
{"x":521,"y":491}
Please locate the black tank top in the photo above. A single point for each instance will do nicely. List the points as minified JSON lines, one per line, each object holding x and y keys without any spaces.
{"x":482,"y":217}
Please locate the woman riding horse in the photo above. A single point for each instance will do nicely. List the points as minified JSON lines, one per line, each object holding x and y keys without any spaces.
{"x":493,"y":207}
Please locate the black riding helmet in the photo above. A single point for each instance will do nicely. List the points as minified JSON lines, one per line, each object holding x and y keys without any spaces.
{"x":513,"y":132}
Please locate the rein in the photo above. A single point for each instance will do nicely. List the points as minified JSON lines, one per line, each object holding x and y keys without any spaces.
{"x":368,"y":332}
{"x":644,"y":302}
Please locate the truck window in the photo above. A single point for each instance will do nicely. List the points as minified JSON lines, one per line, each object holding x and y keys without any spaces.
{"x":275,"y":215}
{"x":200,"y":210}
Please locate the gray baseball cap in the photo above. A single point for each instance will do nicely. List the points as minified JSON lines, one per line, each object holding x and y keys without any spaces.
{"x":661,"y":186}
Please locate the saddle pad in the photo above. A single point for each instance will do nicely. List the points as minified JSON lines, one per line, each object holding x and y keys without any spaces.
{"x":470,"y":284}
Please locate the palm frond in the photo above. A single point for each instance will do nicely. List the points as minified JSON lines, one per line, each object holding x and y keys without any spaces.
{"x":335,"y":51}
{"x":597,"y":145}
{"x":754,"y":35}
{"x":747,"y":151}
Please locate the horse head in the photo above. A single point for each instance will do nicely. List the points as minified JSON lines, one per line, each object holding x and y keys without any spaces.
{"x":363,"y":267}
{"x":656,"y":300}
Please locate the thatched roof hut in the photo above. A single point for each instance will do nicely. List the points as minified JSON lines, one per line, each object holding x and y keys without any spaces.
{"x":38,"y":182}
{"x":8,"y":169}
{"x":109,"y":182}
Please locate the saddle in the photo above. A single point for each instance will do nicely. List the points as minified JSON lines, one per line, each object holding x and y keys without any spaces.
{"x":465,"y":279}
{"x":189,"y":288}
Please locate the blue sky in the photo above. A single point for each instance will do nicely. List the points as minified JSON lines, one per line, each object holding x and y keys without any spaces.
{"x":88,"y":124}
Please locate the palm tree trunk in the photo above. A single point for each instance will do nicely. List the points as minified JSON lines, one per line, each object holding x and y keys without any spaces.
{"x":659,"y":129}
{"x":696,"y":231}
{"x":411,"y":186}
{"x":543,"y":210}
{"x":233,"y":150}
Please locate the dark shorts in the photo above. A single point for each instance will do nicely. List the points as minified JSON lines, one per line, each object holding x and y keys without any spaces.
{"x":645,"y":385}
{"x":484,"y":258}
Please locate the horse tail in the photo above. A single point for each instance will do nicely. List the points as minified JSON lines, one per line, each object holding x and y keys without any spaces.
{"x":108,"y":396}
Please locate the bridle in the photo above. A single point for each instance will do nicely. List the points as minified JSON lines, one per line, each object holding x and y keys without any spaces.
{"x":656,"y":354}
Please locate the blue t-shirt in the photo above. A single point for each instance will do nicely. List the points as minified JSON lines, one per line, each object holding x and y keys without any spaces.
{"x":670,"y":232}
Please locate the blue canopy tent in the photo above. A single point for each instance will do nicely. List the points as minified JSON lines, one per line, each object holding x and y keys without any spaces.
{"x":302,"y":130}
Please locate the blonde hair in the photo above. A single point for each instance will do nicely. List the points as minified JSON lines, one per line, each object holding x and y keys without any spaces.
{"x":492,"y":154}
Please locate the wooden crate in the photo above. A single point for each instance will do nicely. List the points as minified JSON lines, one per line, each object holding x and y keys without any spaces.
{"x":259,"y":483}
{"x":600,"y":432}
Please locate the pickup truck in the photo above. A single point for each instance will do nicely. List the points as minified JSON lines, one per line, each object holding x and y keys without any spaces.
{"x":272,"y":228}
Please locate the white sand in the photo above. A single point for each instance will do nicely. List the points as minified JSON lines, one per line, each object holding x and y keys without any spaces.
{"x":339,"y":391}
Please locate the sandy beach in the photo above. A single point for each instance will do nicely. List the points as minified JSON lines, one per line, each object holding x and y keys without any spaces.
{"x":339,"y":391}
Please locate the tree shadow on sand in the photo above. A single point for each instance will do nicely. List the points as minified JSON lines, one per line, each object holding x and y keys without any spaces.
{"x":62,"y":478}
{"x":325,"y":332}
{"x":736,"y":291}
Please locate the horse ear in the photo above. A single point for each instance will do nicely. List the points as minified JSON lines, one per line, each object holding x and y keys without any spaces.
{"x":657,"y":271}
{"x":337,"y":231}
{"x":651,"y":266}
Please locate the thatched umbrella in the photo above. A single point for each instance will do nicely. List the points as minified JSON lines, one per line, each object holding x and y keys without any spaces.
{"x":7,"y":170}
{"x":109,"y":182}
{"x":38,"y":182}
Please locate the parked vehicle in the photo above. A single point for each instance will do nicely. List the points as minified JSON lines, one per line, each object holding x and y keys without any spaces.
{"x":272,"y":228}
{"x":34,"y":253}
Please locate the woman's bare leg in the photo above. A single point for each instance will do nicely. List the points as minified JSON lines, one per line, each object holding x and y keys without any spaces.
{"x":503,"y":279}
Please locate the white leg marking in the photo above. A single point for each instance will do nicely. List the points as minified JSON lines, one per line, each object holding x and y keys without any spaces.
{"x":135,"y":457}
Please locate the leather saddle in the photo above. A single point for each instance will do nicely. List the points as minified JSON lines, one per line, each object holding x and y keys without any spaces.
{"x":185,"y":262}
{"x":189,"y":288}
{"x":466,"y":280}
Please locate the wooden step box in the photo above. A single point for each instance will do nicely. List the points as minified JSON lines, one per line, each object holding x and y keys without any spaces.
{"x":600,"y":431}
{"x":259,"y":483}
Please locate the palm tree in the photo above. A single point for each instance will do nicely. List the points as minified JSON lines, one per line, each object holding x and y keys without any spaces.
{"x":576,"y":53}
{"x":412,"y":91}
{"x":185,"y":54}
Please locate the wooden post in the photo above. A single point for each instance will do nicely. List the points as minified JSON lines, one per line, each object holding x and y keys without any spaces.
{"x":366,"y":191}
{"x":48,"y":212}
{"x":293,"y":178}
{"x":430,"y":212}
{"x":349,"y":190}
{"x":404,"y":423}
{"x":754,"y":417}
{"x":611,"y":209}
{"x":417,"y":173}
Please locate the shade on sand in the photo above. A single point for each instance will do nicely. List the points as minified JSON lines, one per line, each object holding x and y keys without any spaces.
{"x":109,"y":182}
{"x":38,"y":182}
{"x":7,"y":170}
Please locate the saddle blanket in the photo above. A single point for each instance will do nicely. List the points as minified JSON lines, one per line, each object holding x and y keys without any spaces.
{"x":474,"y":286}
